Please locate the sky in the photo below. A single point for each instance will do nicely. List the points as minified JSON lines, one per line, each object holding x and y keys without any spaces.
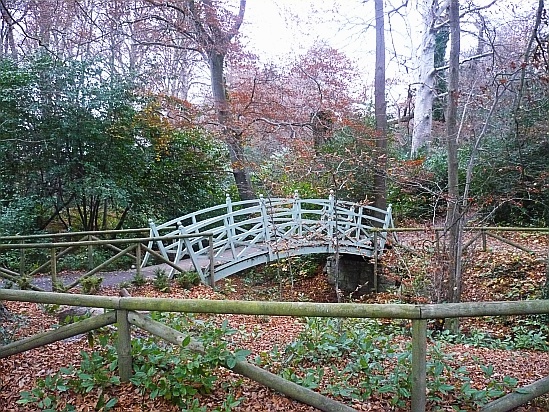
{"x":277,"y":30}
{"x":285,"y":27}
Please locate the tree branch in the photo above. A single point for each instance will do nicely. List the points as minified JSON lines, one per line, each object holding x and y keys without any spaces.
{"x":467,"y":59}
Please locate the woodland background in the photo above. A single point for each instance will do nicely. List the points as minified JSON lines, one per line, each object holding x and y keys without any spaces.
{"x":97,"y":128}
{"x":113,"y":112}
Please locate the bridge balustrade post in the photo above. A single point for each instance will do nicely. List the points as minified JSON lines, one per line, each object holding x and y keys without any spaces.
{"x":212,"y":261}
{"x":331,"y":214}
{"x":351,"y":221}
{"x":264,"y":219}
{"x":296,"y":213}
{"x":229,"y":224}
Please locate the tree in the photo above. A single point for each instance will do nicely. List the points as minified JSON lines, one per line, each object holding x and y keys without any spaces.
{"x":428,"y":14}
{"x":209,"y":28}
{"x":67,"y":136}
{"x":454,"y":219}
{"x":380,"y":104}
{"x":299,"y":112}
{"x":7,"y":37}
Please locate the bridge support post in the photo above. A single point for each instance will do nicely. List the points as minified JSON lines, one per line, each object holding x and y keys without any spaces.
{"x":355,"y":275}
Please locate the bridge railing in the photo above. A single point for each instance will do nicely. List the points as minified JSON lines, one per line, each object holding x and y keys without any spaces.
{"x":262,"y":228}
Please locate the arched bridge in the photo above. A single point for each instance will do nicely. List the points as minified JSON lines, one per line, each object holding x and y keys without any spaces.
{"x":252,"y":232}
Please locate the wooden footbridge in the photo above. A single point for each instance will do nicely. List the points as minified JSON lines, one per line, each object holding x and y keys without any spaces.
{"x":248,"y":233}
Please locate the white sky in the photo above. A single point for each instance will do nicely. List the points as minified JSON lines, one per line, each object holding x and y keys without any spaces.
{"x":277,"y":30}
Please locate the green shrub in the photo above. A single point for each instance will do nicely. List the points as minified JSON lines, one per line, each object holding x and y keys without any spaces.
{"x":367,"y":360}
{"x":174,"y":373}
{"x":161,"y":281}
{"x":91,"y":284}
{"x":187,"y":280}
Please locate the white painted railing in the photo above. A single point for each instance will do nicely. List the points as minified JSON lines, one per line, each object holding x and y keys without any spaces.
{"x":257,"y":231}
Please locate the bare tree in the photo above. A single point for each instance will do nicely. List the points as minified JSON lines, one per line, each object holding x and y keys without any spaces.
{"x":209,"y":29}
{"x":429,"y":15}
{"x":7,"y":37}
{"x":380,"y":178}
{"x":454,"y":219}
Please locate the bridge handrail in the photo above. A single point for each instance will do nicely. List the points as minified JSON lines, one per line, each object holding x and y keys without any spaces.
{"x":268,"y":225}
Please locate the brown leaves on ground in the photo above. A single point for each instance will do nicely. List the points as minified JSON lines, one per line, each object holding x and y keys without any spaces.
{"x":502,"y":273}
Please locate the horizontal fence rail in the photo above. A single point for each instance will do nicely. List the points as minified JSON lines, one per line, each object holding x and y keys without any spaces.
{"x":134,"y":251}
{"x":210,"y":251}
{"x":418,"y":314}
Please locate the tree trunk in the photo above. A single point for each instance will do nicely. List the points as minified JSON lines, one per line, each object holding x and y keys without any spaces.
{"x":8,"y":40}
{"x":380,"y":178}
{"x":425,"y":80}
{"x":454,"y":218}
{"x":427,"y":13}
{"x":233,"y":137}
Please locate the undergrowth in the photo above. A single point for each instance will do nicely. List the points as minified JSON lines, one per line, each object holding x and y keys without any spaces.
{"x":530,"y":333}
{"x":174,"y":373}
{"x":363,"y":359}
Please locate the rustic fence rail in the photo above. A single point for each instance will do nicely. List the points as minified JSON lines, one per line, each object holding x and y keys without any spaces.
{"x":125,"y":308}
{"x":54,"y":247}
{"x":134,"y":251}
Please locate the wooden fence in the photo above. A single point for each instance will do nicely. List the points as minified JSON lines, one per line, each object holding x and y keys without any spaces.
{"x":121,"y":244}
{"x":123,"y":312}
{"x":56,"y":247}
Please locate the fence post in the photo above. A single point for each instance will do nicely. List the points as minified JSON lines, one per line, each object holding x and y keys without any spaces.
{"x":53,"y":270}
{"x":138,"y":253}
{"x":90,"y":254}
{"x":124,"y":346}
{"x":22,"y":263}
{"x":419,"y":375}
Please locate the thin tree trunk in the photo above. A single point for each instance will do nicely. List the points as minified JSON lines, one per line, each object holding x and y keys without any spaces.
{"x":232,"y":136}
{"x":454,"y":219}
{"x":380,"y":178}
{"x":8,"y":44}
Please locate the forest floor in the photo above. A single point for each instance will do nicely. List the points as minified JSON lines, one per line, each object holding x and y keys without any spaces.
{"x":500,"y":273}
